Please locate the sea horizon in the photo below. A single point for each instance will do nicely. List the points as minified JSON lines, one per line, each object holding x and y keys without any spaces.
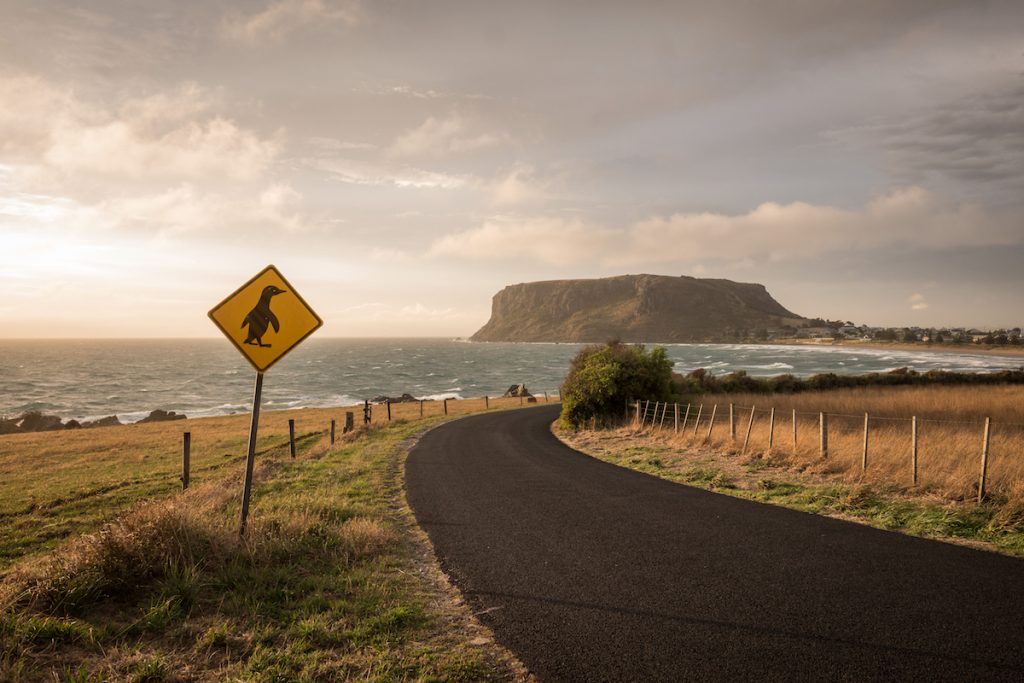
{"x":87,"y":379}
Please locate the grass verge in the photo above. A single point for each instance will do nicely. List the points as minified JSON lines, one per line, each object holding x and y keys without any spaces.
{"x":333,"y":581}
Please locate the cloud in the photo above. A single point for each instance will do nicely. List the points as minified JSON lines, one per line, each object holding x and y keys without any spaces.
{"x":551,"y":240}
{"x":518,"y":186}
{"x":170,"y":134}
{"x":185,"y":209}
{"x":419,"y":311}
{"x":777,"y":232}
{"x":977,"y":140}
{"x":442,"y":136}
{"x":178,"y":210}
{"x":360,"y":173}
{"x":29,"y":108}
{"x":388,"y":255}
{"x":917,"y":302}
{"x":286,"y":16}
{"x":335,"y":145}
{"x":376,"y":311}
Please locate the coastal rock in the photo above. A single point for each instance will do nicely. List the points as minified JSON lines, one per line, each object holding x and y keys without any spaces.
{"x":162,"y":416}
{"x":109,"y":421}
{"x":517,"y":390}
{"x":404,"y":398}
{"x":10,"y":427}
{"x":633,"y":308}
{"x":38,"y":422}
{"x":72,"y":424}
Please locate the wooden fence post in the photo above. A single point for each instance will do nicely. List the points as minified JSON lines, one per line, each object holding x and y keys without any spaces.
{"x":421,"y":407}
{"x":545,"y":397}
{"x":636,"y":420}
{"x":823,"y":434}
{"x":711,"y":424}
{"x":186,"y":457}
{"x":686,"y":417}
{"x":332,"y":431}
{"x":771,"y":430}
{"x":446,"y":406}
{"x":291,"y":437}
{"x":732,"y":422}
{"x":350,"y":422}
{"x":913,"y":448}
{"x":388,"y":402}
{"x":664,"y":410}
{"x":794,"y":431}
{"x":864,"y":455}
{"x":487,"y":403}
{"x":984,"y":459}
{"x":750,"y":425}
{"x":643,"y":417}
{"x":700,"y":409}
{"x":367,"y":412}
{"x":677,"y":416}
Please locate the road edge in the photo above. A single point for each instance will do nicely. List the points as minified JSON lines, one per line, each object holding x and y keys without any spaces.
{"x":445,"y":599}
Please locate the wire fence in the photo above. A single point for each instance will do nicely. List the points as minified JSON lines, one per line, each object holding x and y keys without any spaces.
{"x":318,"y":423}
{"x":962,"y":457}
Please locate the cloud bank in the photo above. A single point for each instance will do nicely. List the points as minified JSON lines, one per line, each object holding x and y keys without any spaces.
{"x":911,"y":217}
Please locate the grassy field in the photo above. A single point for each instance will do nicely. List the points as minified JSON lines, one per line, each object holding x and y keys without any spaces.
{"x":941,"y":503}
{"x":111,"y":573}
{"x":58,"y":484}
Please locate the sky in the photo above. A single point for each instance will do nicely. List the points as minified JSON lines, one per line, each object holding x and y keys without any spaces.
{"x":401,"y":162}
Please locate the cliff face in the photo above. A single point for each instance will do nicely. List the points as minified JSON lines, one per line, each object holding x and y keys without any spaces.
{"x":633,"y":308}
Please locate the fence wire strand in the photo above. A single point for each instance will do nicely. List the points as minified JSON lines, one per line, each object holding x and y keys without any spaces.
{"x":784,"y":412}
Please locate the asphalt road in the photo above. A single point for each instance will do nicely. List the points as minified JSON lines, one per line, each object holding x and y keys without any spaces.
{"x":591,"y":572}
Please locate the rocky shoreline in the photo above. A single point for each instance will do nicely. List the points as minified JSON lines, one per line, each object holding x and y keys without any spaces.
{"x":35,"y":421}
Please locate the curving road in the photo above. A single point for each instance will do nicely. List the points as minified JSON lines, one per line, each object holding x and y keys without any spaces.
{"x":591,"y":572}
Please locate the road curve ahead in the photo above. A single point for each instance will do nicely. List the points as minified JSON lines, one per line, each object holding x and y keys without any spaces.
{"x":591,"y":572}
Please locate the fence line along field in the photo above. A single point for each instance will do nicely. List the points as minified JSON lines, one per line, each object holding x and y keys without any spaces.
{"x":57,"y":484}
{"x":950,"y":434}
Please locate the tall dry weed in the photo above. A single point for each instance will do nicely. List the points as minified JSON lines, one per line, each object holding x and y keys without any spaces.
{"x":129,"y":552}
{"x":950,"y":435}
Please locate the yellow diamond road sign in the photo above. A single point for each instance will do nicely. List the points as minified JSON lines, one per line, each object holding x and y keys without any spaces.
{"x":265,"y":318}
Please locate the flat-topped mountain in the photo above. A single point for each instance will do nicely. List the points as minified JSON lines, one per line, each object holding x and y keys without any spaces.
{"x":633,"y":308}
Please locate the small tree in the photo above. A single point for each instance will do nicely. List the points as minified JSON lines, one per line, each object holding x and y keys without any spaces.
{"x":603,"y":377}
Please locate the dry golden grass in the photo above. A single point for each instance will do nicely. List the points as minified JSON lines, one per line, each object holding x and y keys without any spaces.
{"x":54,"y":485}
{"x":327,"y":584}
{"x":950,"y":435}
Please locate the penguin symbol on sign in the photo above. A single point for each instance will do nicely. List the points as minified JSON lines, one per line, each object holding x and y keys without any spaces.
{"x":261,"y":317}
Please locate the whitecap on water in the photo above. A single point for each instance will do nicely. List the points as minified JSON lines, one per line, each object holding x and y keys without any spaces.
{"x":773,"y":366}
{"x":439,"y":397}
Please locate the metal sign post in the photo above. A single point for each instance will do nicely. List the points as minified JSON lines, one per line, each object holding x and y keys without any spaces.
{"x":250,"y":460}
{"x":265,"y":318}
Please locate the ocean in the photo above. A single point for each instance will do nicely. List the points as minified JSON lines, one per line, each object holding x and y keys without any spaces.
{"x":87,"y":379}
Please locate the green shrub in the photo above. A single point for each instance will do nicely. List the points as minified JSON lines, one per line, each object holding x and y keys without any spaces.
{"x":700,"y":381}
{"x":603,"y":378}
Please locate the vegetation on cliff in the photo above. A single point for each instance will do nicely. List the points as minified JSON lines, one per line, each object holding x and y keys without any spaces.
{"x":633,"y":308}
